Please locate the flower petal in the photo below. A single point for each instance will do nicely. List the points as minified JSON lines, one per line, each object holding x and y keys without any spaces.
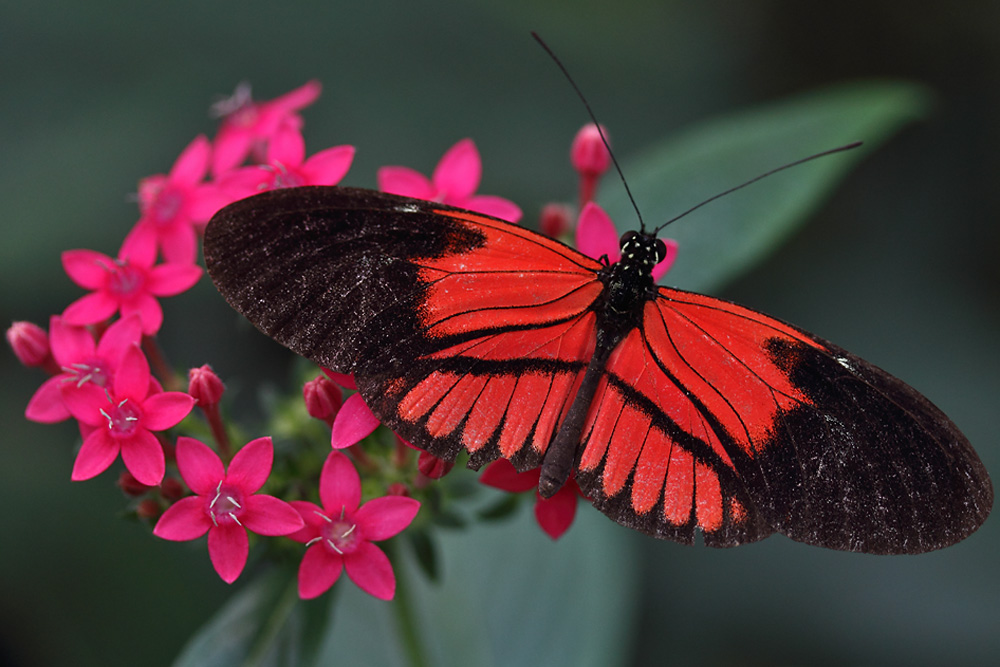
{"x":267,"y":515}
{"x":132,"y":376}
{"x":200,"y":467}
{"x":286,"y":147}
{"x":555,"y":514}
{"x":354,"y":422}
{"x":498,"y":207}
{"x":310,"y":515}
{"x":329,"y":166}
{"x":381,"y":518}
{"x":46,"y":405}
{"x":228,"y":547}
{"x":172,"y":279}
{"x":184,"y":520}
{"x":459,"y":171}
{"x":166,"y":409}
{"x":405,"y":181}
{"x":501,"y":474}
{"x":143,"y":456}
{"x":179,"y":244}
{"x":192,"y":164}
{"x":118,"y":337}
{"x":344,"y":380}
{"x":98,"y":452}
{"x":90,"y":309}
{"x":87,"y":268}
{"x":339,"y":485}
{"x":318,"y":571}
{"x":86,"y":402}
{"x":300,"y":97}
{"x":251,"y":466}
{"x":231,"y":145}
{"x":596,"y":235}
{"x":70,"y":344}
{"x":371,"y":570}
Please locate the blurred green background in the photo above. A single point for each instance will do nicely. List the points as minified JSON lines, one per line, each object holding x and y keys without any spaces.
{"x":900,"y":267}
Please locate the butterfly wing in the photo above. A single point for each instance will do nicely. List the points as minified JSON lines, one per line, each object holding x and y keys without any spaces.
{"x":462,"y":331}
{"x":717,"y":417}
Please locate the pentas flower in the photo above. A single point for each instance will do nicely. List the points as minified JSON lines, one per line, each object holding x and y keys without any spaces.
{"x":82,"y":362}
{"x":554,"y":515}
{"x":122,"y":418}
{"x":129,"y":284}
{"x":247,"y":125}
{"x":287,"y":166}
{"x":227,"y":504}
{"x":340,"y":533}
{"x":590,"y":158}
{"x":596,"y":236}
{"x":454,"y":182}
{"x":172,"y":205}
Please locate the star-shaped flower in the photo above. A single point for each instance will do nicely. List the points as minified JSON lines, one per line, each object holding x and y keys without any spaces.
{"x":454,"y":182}
{"x":227,"y":504}
{"x":82,"y":362}
{"x":340,"y":534}
{"x":247,"y":124}
{"x":123,"y":419}
{"x":129,"y":284}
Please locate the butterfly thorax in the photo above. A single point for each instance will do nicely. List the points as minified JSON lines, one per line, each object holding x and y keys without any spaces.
{"x":629,"y":282}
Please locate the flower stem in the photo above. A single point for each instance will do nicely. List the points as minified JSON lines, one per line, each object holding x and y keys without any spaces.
{"x":171,"y":381}
{"x":406,"y":615}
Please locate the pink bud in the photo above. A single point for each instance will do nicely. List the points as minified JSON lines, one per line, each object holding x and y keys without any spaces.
{"x":29,"y":342}
{"x":148,"y":509}
{"x":205,"y":386}
{"x":432,"y":466}
{"x":555,"y":219}
{"x":323,"y":398}
{"x":398,"y":489}
{"x":588,"y":153}
{"x":171,"y":489}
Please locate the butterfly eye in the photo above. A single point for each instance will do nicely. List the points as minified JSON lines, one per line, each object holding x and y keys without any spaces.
{"x":661,"y":250}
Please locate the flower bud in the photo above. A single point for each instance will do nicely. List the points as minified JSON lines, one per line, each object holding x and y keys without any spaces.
{"x":130,"y":486}
{"x":171,"y":489}
{"x":555,"y":219}
{"x":205,"y":386}
{"x":588,"y":154}
{"x":29,"y":342}
{"x":148,"y":509}
{"x":398,"y":489}
{"x":433,"y":467}
{"x":323,"y":398}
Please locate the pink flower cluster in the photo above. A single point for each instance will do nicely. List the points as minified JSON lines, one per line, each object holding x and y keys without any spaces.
{"x":108,"y":373}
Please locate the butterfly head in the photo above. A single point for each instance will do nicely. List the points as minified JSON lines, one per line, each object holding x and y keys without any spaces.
{"x":641,"y":252}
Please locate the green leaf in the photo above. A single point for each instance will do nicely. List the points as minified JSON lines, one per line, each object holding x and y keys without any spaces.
{"x":725,"y":237}
{"x":263,"y":625}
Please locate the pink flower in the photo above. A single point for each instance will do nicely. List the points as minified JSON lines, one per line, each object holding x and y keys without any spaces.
{"x":123,"y":418}
{"x":596,"y":236}
{"x":340,"y":534}
{"x":323,"y":398}
{"x":227,"y":504}
{"x":82,"y":362}
{"x":247,"y":124}
{"x":287,"y":166}
{"x":555,"y":514}
{"x":454,"y":182}
{"x":171,"y":205}
{"x":129,"y":284}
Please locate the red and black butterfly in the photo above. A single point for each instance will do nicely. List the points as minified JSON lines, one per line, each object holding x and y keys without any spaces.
{"x":675,"y":411}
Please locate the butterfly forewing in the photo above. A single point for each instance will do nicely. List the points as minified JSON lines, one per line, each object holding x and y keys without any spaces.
{"x":467,"y":333}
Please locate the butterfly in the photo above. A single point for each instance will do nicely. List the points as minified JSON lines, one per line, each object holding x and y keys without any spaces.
{"x":676,"y":413}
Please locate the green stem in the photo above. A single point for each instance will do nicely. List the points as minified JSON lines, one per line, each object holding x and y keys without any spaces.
{"x":406,"y":614}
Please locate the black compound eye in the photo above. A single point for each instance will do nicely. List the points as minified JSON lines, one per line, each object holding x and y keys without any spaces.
{"x":627,"y":238}
{"x":661,"y":250}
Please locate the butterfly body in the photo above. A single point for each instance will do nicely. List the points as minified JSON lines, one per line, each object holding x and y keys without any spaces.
{"x":677,"y":413}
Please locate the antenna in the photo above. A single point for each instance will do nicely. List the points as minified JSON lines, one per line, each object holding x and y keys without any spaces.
{"x":839,"y":149}
{"x":593,"y":117}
